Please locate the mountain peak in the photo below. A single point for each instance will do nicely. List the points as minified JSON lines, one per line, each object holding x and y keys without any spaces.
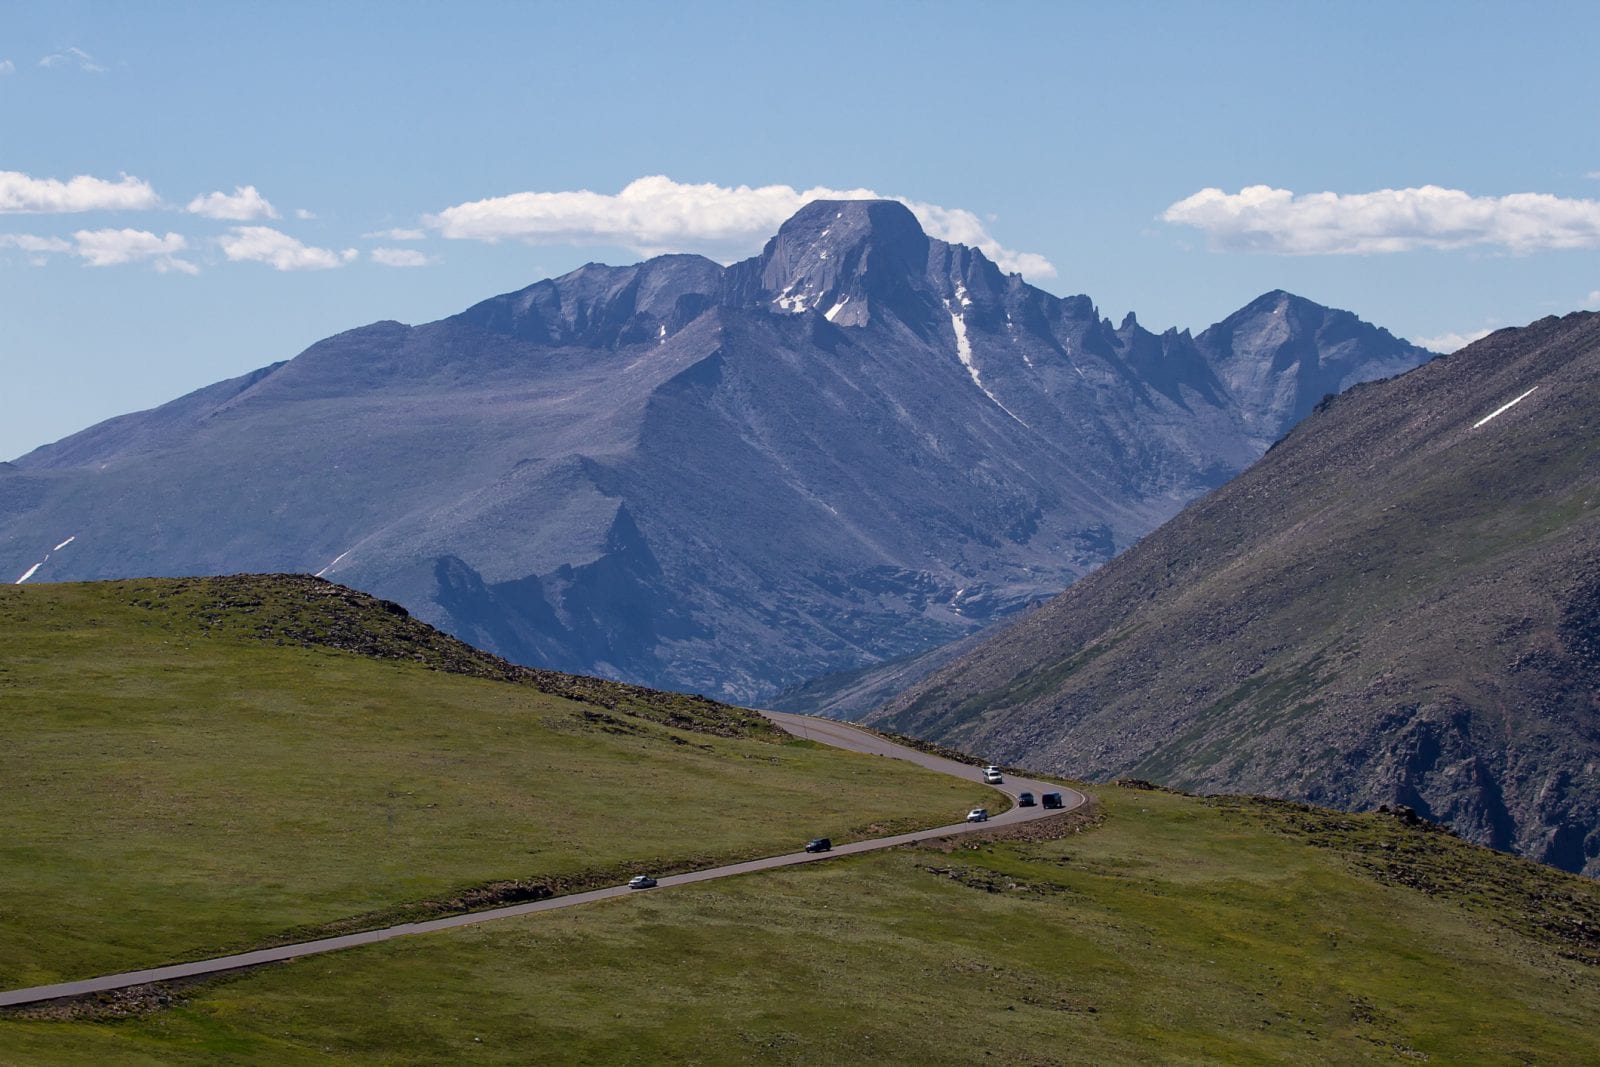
{"x":893,"y":435}
{"x":841,"y":255}
{"x":1277,"y":301}
{"x":883,"y":221}
{"x":1281,"y":353}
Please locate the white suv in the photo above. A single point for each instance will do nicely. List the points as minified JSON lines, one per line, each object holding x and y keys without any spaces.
{"x":978,"y":815}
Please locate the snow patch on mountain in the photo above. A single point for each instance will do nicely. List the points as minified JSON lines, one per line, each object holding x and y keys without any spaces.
{"x":334,"y":564}
{"x":1503,"y":408}
{"x":794,"y":304}
{"x":31,"y":571}
{"x":958,"y":323}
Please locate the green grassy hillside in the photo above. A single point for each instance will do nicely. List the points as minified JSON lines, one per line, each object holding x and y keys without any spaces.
{"x":196,"y":766}
{"x":1172,"y":930}
{"x":189,"y":767}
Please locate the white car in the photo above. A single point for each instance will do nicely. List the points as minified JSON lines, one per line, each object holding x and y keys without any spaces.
{"x":993,"y":777}
{"x":978,"y":815}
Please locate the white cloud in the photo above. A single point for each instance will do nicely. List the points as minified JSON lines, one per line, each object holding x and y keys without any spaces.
{"x":397,"y":235}
{"x":1260,"y":218}
{"x":960,"y":226}
{"x":21,"y":194}
{"x":75,"y":57}
{"x":242,"y":205}
{"x":7,"y":67}
{"x":109,"y":248}
{"x":303,"y":215}
{"x":28,"y":242}
{"x":400,"y":257}
{"x":1449,"y":342}
{"x":263,"y":244}
{"x":656,"y":214}
{"x":1592,"y":300}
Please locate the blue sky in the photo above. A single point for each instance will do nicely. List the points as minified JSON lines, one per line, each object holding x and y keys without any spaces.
{"x":256,"y":177}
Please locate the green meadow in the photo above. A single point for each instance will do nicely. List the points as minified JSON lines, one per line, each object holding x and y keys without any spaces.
{"x":1176,"y":930}
{"x":174,"y":790}
{"x":172,"y":787}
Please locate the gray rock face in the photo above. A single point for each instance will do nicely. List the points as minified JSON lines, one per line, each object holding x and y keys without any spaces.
{"x":1280,"y":354}
{"x":860,"y":444}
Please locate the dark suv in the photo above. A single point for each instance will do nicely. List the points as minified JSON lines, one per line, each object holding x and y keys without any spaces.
{"x":819,"y":844}
{"x":1053,"y":800}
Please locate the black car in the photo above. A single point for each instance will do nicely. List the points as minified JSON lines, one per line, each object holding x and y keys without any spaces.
{"x":1025,"y":800}
{"x":1053,"y":800}
{"x":819,"y":844}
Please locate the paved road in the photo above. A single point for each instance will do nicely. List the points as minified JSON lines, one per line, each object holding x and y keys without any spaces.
{"x":826,"y":731}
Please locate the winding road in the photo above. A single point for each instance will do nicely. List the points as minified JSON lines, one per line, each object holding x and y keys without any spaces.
{"x":826,"y":731}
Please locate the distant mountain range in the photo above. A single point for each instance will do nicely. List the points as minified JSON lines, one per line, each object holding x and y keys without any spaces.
{"x":857,"y":445}
{"x":1399,"y":604}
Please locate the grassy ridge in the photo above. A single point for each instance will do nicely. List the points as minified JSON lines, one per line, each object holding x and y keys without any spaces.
{"x":175,"y":782}
{"x":1179,"y":930}
{"x":298,"y":609}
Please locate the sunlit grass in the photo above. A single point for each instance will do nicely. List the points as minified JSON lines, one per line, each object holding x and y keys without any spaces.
{"x":165,"y":794}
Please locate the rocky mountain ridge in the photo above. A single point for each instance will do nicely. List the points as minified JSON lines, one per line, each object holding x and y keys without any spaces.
{"x":1397,"y":605}
{"x":859,"y":444}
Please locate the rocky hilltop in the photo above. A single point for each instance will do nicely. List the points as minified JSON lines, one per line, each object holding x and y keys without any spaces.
{"x":1398,"y":605}
{"x":857,"y":445}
